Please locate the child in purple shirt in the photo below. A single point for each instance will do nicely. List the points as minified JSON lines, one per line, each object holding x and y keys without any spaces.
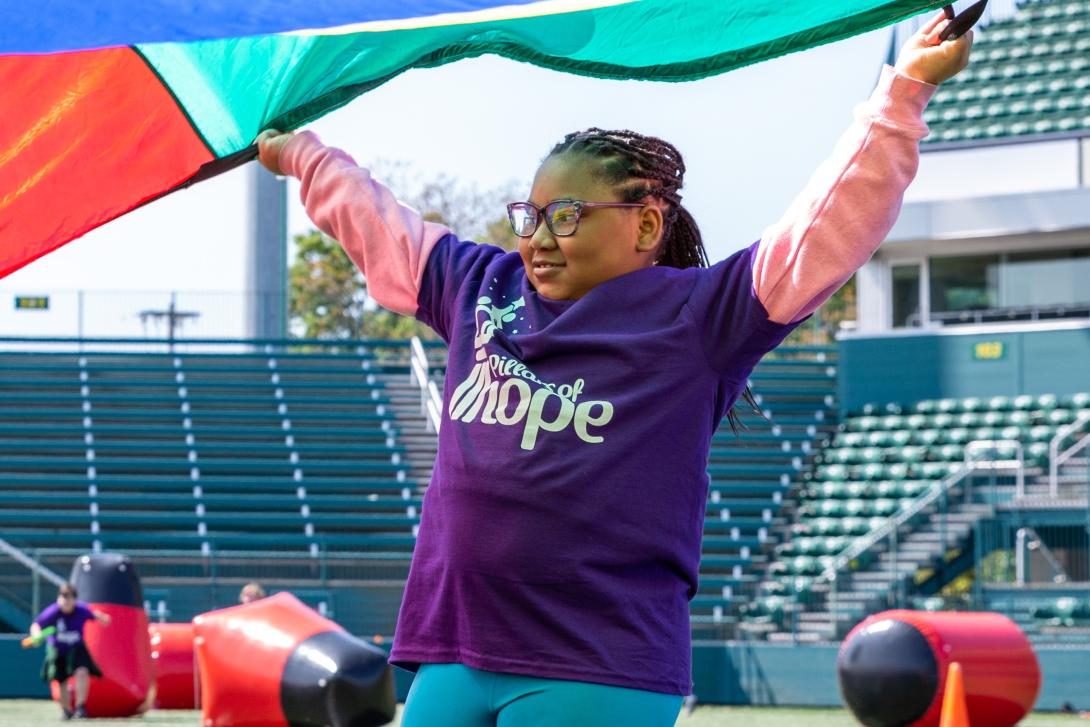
{"x":66,"y":652}
{"x":560,"y":536}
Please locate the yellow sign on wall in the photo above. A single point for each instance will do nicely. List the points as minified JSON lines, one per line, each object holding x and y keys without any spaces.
{"x":989,"y":350}
{"x":32,"y":302}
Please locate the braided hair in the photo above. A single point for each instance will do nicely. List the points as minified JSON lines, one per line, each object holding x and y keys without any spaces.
{"x":639,"y":167}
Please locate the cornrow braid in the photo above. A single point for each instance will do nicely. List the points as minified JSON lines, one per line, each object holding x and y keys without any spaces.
{"x":646,"y":166}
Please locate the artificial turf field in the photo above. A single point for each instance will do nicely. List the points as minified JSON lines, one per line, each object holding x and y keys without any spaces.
{"x":34,"y":712}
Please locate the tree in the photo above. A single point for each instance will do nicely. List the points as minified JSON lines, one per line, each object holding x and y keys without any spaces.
{"x":328,"y":295}
{"x":823,"y":327}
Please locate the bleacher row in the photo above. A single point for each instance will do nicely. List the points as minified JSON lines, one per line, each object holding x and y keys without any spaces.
{"x":201,"y":451}
{"x":1030,"y":74}
{"x":304,"y":451}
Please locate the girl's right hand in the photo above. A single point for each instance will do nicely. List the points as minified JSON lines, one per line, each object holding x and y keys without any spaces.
{"x":269,"y":145}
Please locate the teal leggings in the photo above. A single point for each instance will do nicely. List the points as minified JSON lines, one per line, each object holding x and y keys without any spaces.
{"x":453,"y":695}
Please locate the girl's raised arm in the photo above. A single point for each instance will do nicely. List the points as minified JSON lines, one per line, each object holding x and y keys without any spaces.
{"x":387,"y":240}
{"x":852,"y":201}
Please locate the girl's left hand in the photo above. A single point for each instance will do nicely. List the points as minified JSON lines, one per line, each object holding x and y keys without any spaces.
{"x":928,"y":59}
{"x":269,"y":145}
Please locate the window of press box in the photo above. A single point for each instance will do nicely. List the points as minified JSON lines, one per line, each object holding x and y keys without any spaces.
{"x":1032,"y":285}
{"x":906,"y":295}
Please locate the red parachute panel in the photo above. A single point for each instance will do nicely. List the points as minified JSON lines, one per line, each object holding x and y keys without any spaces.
{"x":95,"y":135}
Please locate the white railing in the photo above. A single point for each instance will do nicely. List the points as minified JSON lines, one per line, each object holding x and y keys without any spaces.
{"x":1057,"y":458}
{"x":993,"y":464}
{"x":431,"y":403}
{"x":1027,"y":539}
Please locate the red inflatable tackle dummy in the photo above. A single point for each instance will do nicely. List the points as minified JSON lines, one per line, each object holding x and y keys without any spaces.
{"x":275,"y":662}
{"x":893,"y":668}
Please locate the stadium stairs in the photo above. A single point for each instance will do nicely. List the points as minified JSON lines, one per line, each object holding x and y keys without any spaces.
{"x":890,"y":503}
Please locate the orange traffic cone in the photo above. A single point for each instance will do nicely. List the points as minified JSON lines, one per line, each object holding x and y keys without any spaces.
{"x":955,"y":712}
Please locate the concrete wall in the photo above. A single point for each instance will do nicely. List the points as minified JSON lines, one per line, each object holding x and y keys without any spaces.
{"x":907,"y":368}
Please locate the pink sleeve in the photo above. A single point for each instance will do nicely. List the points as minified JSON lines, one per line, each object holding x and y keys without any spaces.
{"x":849,"y":205}
{"x":386,"y":239}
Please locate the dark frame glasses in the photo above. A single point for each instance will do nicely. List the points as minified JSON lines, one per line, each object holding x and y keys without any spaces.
{"x":559,"y":215}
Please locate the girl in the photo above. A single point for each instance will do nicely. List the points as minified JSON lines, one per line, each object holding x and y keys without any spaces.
{"x":66,"y":653}
{"x":560,"y":538}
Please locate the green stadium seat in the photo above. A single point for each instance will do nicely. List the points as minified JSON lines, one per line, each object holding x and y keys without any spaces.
{"x":1047,"y":402}
{"x":928,"y":437}
{"x":931,"y":603}
{"x":880,"y":438}
{"x":884,"y":507}
{"x":1078,"y":401}
{"x":950,"y":452}
{"x":917,"y":422}
{"x":926,"y":406}
{"x":912,"y":454}
{"x":943,"y":421}
{"x":769,"y":610}
{"x":851,"y":439}
{"x":1065,"y":611}
{"x":973,"y":404}
{"x":1020,"y":418}
{"x":1041,"y":433}
{"x":1024,"y":402}
{"x":1059,"y":417}
{"x":970,"y":420}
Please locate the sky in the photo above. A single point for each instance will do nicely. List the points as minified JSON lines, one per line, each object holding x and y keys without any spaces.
{"x":750,"y":137}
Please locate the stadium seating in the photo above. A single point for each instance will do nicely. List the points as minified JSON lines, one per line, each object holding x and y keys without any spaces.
{"x":1031,"y":77}
{"x":750,"y":474}
{"x":881,"y":461}
{"x":202,"y":451}
{"x":317,"y":453}
{"x":1065,"y":611}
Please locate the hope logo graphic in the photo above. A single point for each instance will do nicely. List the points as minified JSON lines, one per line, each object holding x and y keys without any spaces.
{"x":503,"y":390}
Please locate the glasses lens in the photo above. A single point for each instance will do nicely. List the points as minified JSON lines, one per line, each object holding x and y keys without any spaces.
{"x":523,"y":218}
{"x":563,"y":217}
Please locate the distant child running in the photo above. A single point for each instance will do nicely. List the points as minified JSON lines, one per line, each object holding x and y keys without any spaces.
{"x":66,"y":654}
{"x":559,"y":543}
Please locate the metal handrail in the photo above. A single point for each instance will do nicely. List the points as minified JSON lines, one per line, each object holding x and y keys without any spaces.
{"x":1056,"y":458}
{"x":431,"y":402}
{"x":31,"y":564}
{"x":864,"y":542}
{"x":1020,"y":462}
{"x":36,"y":569}
{"x":1022,"y":536}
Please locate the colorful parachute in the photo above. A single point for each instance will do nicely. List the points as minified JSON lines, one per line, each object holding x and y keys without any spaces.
{"x":105,"y":106}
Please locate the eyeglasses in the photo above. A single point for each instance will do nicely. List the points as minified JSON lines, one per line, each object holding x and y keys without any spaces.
{"x":561,"y":216}
{"x":67,"y":595}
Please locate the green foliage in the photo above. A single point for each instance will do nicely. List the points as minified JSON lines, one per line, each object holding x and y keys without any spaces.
{"x":327,"y":292}
{"x":821,"y":329}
